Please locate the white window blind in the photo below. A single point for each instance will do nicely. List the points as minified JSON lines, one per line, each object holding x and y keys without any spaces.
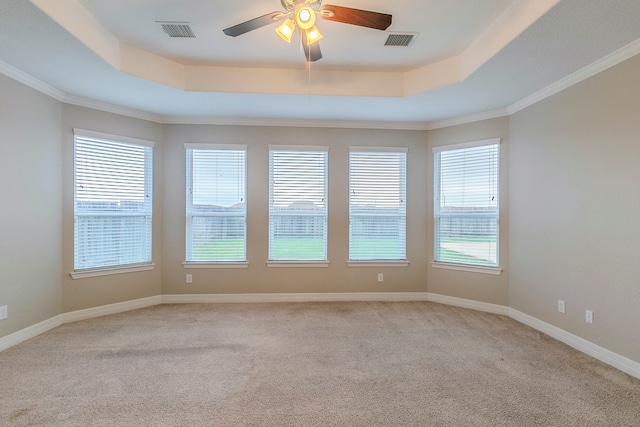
{"x":377,"y":204}
{"x":466,"y":204}
{"x":216,"y":203}
{"x":298,"y":204}
{"x":112,"y":201}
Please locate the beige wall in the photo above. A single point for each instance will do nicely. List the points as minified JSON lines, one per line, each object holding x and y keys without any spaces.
{"x":96,"y":291}
{"x":575,"y":209}
{"x":30,"y":194}
{"x":471,"y":285}
{"x":569,"y":210}
{"x":259,"y":278}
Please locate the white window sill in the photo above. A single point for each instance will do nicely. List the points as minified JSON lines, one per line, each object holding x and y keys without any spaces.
{"x":242,"y":264}
{"x":298,"y":264}
{"x":378,"y":263}
{"x":468,"y":268}
{"x":112,"y":270}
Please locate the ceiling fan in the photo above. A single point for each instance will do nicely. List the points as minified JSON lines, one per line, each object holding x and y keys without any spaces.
{"x":302,"y":14}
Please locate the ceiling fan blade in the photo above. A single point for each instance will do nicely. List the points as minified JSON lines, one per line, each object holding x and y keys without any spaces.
{"x":362,"y":18}
{"x":311,"y":53}
{"x":253,"y":24}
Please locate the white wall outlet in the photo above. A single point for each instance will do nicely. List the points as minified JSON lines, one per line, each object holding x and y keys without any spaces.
{"x":380,"y":278}
{"x":561,"y":306}
{"x":4,"y":312}
{"x":189,"y":278}
{"x":588,"y":316}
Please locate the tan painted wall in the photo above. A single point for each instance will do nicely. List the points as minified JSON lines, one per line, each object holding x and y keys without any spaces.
{"x":96,"y":291}
{"x":569,"y":210}
{"x":575,"y":209}
{"x":471,"y":285}
{"x":259,"y":278}
{"x":30,"y":197}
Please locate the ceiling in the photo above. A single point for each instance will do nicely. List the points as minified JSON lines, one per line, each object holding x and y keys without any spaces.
{"x":470,"y":58}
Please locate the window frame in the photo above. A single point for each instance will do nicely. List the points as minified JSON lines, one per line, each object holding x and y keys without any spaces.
{"x":438,"y":214}
{"x":146,"y":211}
{"x":402,"y":210}
{"x":271,"y":260}
{"x":189,"y":214}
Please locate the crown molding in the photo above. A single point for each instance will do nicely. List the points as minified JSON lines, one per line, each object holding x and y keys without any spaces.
{"x":26,"y":79}
{"x":300,"y":123}
{"x":590,"y":70}
{"x":111,"y":108}
{"x":471,"y":118}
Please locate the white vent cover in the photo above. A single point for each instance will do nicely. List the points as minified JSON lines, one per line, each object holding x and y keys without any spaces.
{"x":401,"y":39}
{"x":177,"y":29}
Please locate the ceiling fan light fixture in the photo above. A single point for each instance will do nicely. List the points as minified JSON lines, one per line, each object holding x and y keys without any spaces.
{"x":313,"y":35}
{"x":285,"y":30}
{"x":303,"y":14}
{"x":305,"y":18}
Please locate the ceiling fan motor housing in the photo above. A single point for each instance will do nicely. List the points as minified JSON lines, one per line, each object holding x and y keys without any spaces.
{"x":290,"y":5}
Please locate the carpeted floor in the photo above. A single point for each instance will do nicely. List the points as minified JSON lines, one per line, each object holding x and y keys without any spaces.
{"x":308,"y":364}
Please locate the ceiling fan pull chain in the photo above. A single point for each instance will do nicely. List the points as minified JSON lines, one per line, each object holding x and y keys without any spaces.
{"x":309,"y":75}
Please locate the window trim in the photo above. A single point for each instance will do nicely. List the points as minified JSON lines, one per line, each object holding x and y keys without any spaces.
{"x":381,"y":263}
{"x":211,"y":264}
{"x":121,"y":268}
{"x":189,"y":180}
{"x":297,"y":264}
{"x":470,"y":144}
{"x":494,"y":270}
{"x":112,"y":137}
{"x":97,"y":272}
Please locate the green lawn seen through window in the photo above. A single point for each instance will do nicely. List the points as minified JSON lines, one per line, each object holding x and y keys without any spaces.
{"x":296,"y":249}
{"x":376,"y":249}
{"x":220,"y":250}
{"x":283,"y":249}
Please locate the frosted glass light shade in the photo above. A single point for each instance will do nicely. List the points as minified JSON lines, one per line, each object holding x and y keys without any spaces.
{"x":285,"y":30}
{"x":313,"y":35}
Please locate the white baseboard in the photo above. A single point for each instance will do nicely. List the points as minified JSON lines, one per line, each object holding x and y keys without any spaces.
{"x":294,"y":297}
{"x":30,"y":332}
{"x":471,"y":304}
{"x":600,"y":353}
{"x":104,"y":310}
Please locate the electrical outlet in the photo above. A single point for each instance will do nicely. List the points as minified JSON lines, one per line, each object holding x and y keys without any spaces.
{"x":588,"y":316}
{"x":561,"y":306}
{"x":3,"y":312}
{"x":189,"y":278}
{"x":380,"y":278}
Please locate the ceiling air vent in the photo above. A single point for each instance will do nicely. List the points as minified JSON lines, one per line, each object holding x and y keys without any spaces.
{"x":401,"y":39}
{"x":177,"y":29}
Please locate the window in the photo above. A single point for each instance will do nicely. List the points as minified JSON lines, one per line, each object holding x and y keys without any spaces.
{"x":298,"y":203}
{"x":377,"y":204}
{"x":466,"y":203}
{"x":112,"y":201}
{"x":216,"y":203}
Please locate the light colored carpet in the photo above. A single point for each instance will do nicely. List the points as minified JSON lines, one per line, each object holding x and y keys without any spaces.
{"x":308,"y":364}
